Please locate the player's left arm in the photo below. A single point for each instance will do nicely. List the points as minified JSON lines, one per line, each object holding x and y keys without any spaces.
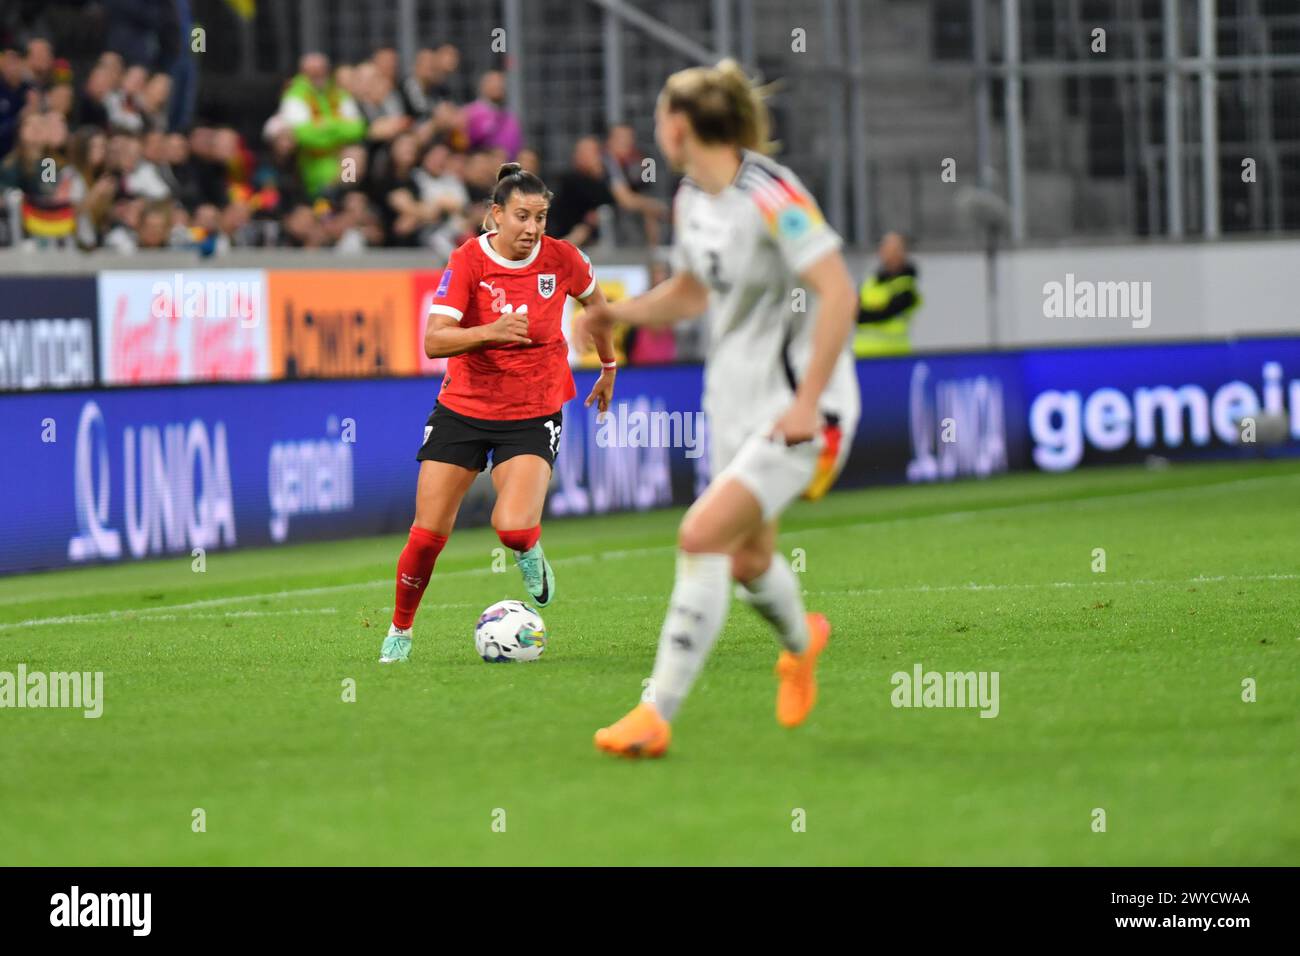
{"x":828,"y":279}
{"x":582,"y":285}
{"x":603,"y":337}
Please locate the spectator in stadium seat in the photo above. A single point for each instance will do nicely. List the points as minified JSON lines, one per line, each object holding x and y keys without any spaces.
{"x":277,"y":177}
{"x":15,"y":94}
{"x":153,"y":151}
{"x":394,"y":189}
{"x":530,"y":160}
{"x":123,"y":102}
{"x":138,"y":177}
{"x":480,"y":175}
{"x":488,"y":123}
{"x":155,"y":226}
{"x":887,"y":302}
{"x":324,"y":119}
{"x":388,"y":63}
{"x":439,"y":185}
{"x":345,"y":78}
{"x":236,"y":162}
{"x":88,"y":153}
{"x":440,"y":203}
{"x":40,"y":63}
{"x":427,"y":86}
{"x":449,"y":126}
{"x":624,"y":161}
{"x":623,"y":157}
{"x":236,"y":229}
{"x":339,"y":228}
{"x":48,"y":213}
{"x":60,"y":97}
{"x":378,"y":97}
{"x":204,"y":224}
{"x":587,"y":186}
{"x":93,"y":189}
{"x":179,"y":172}
{"x":112,"y":62}
{"x":123,"y":220}
{"x":382,"y":109}
{"x":302,"y":230}
{"x":153,"y":101}
{"x":91,"y":109}
{"x":358,"y":222}
{"x":210,"y":171}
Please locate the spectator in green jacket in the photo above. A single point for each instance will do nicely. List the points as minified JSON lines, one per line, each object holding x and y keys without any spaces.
{"x":887,"y":302}
{"x":324,"y":120}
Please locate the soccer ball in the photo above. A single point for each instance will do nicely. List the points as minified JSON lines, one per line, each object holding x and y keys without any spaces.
{"x":510,"y":631}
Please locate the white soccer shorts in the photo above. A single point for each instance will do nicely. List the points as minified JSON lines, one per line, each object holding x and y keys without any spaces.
{"x":778,"y":473}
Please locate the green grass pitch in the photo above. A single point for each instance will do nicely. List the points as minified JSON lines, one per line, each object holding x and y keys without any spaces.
{"x":1119,"y":690}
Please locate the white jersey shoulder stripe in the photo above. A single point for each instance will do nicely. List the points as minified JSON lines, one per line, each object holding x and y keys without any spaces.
{"x":753,"y":182}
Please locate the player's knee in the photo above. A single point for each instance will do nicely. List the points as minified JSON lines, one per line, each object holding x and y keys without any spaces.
{"x":510,"y":519}
{"x":432,"y":526}
{"x":430,"y":520}
{"x":693,"y":538}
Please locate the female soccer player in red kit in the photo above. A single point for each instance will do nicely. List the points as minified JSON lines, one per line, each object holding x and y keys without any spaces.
{"x":497,"y":314}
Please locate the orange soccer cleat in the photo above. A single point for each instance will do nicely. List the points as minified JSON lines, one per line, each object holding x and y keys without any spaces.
{"x":798,"y":689}
{"x":642,"y":733}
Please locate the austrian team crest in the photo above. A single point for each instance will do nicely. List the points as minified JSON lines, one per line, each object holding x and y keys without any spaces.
{"x":546,"y":284}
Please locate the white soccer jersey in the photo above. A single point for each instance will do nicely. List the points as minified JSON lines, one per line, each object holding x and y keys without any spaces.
{"x":749,"y":244}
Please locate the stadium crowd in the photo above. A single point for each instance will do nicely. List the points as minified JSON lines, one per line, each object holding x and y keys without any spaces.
{"x":353,"y":156}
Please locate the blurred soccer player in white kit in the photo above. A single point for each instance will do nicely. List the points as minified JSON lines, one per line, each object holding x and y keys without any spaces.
{"x":780,"y":387}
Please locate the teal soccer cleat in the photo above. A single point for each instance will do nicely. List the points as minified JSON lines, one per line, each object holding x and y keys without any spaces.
{"x":539,"y":579}
{"x":397,"y":646}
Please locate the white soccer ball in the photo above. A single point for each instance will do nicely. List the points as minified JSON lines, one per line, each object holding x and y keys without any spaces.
{"x":510,"y":631}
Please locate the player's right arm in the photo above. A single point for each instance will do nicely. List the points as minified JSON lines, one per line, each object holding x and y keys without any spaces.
{"x":681,"y":297}
{"x":444,"y":335}
{"x":674,"y":300}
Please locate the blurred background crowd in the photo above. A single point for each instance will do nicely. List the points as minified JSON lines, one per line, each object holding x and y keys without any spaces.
{"x":111,"y":152}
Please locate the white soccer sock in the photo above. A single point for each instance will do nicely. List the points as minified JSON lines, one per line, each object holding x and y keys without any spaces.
{"x":696,"y":613}
{"x":775,"y":594}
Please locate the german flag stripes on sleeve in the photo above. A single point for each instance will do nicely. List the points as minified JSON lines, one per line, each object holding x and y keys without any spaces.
{"x":790,"y":213}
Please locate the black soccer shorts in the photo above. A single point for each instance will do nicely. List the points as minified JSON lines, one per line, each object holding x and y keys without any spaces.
{"x":464,"y":441}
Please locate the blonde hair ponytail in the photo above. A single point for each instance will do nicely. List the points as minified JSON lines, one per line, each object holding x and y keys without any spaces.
{"x":722,"y":104}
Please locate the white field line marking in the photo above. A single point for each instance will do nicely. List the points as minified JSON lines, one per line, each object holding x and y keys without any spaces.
{"x":155,"y":614}
{"x":235,"y":615}
{"x":160,"y":614}
{"x":101,"y":616}
{"x":1045,"y":585}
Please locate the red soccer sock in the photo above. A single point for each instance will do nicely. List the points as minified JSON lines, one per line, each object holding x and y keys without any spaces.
{"x":522,"y":539}
{"x":413,"y":569}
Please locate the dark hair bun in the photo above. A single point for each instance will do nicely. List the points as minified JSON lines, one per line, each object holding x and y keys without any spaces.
{"x":508,"y":169}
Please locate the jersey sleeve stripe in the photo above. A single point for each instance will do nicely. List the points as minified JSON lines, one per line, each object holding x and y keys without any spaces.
{"x":456,"y":314}
{"x":589,"y":290}
{"x":773,"y":195}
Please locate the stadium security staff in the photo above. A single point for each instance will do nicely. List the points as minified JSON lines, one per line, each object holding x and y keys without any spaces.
{"x":887,"y":302}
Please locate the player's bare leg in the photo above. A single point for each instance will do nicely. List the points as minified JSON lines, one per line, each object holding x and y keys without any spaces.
{"x":438,"y":495}
{"x":521,"y":484}
{"x":767,"y":583}
{"x":726,"y":515}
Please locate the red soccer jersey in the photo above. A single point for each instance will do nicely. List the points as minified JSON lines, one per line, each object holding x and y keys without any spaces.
{"x":508,"y":382}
